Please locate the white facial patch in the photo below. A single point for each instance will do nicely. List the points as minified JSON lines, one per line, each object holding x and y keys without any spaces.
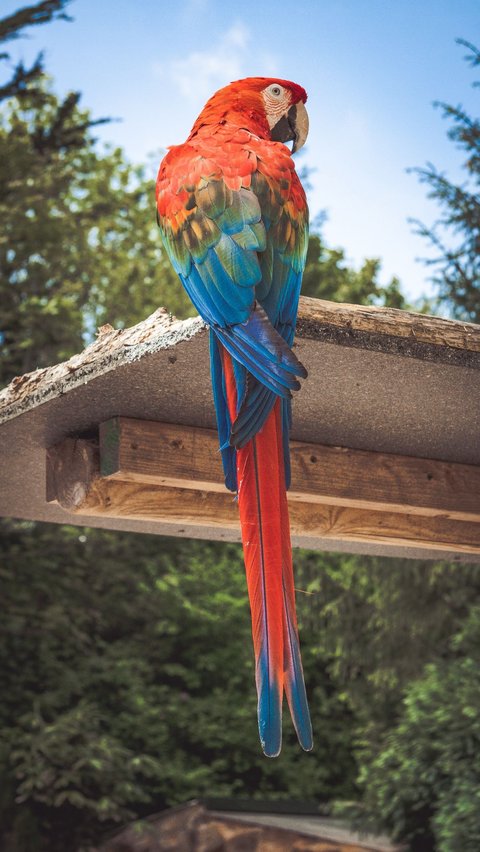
{"x":277,"y":100}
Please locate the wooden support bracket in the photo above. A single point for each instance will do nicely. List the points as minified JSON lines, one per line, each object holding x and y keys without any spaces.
{"x":157,"y":471}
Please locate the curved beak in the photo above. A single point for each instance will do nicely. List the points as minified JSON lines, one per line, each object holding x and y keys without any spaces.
{"x":301,"y":127}
{"x":292,"y":127}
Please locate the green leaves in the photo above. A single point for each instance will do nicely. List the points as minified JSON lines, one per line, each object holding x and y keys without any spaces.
{"x":327,"y":276}
{"x":25,"y":80}
{"x":74,"y":760}
{"x":426,"y":780}
{"x":79,"y":245}
{"x":127,"y":670}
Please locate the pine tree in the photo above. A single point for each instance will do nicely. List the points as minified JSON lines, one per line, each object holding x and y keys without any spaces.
{"x":455,"y":236}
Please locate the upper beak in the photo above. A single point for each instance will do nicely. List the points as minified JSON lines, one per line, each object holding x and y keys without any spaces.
{"x":301,"y":127}
{"x":293,"y":126}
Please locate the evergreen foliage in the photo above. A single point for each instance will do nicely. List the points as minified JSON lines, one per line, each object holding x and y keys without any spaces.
{"x":23,"y":80}
{"x":425,"y":782}
{"x":128,"y":685}
{"x":328,"y":276}
{"x":78,"y":240}
{"x":455,"y":236}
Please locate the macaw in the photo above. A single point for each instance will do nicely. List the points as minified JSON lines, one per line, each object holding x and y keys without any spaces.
{"x":234,"y":222}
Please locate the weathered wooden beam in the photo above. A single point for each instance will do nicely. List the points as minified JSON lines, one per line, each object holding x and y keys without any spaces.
{"x":188,"y":457}
{"x":392,"y":322}
{"x":365,"y":326}
{"x":74,"y":481}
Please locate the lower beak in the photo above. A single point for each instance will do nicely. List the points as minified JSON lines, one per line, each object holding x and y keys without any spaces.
{"x":292,"y":127}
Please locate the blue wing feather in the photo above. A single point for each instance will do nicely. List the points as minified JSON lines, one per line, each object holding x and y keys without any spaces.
{"x":244,"y":283}
{"x":224,"y":424}
{"x":253,"y":413}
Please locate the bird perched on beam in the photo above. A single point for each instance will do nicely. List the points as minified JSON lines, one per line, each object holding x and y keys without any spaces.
{"x":234,"y":221}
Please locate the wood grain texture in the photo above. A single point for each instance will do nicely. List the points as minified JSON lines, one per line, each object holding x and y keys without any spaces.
{"x":423,"y":328}
{"x":188,"y":457}
{"x":114,"y":498}
{"x":75,"y":482}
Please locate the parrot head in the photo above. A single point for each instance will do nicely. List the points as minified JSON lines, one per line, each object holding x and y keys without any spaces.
{"x":273,"y":109}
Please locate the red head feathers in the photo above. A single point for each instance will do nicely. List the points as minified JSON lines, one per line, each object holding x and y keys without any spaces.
{"x":270,"y":108}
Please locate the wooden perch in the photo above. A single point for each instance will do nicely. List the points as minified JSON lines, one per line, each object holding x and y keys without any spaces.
{"x":387,"y":330}
{"x":188,"y":457}
{"x":386,"y":461}
{"x":156,"y":471}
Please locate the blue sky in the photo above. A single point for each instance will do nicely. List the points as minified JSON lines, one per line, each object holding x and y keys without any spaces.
{"x":372,"y":69}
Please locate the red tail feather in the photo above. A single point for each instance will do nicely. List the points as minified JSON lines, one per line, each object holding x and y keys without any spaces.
{"x":293,"y":671}
{"x":268,"y":563}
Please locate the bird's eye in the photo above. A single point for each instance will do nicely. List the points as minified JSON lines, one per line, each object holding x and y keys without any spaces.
{"x":276,"y":91}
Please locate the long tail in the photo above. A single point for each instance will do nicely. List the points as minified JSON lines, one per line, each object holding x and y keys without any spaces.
{"x":268,"y":563}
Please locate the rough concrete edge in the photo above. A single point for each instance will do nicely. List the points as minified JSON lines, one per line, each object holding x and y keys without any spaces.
{"x":112,"y":349}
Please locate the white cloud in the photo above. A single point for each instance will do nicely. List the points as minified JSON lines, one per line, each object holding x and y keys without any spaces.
{"x":203,"y":71}
{"x":200,"y":73}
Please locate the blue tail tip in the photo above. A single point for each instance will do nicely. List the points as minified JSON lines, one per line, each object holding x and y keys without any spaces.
{"x":271,"y":749}
{"x":270,"y":739}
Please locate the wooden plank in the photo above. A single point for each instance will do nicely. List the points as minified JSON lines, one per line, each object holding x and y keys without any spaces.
{"x":96,"y":496}
{"x":74,"y":481}
{"x":188,"y":457}
{"x":423,"y":328}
